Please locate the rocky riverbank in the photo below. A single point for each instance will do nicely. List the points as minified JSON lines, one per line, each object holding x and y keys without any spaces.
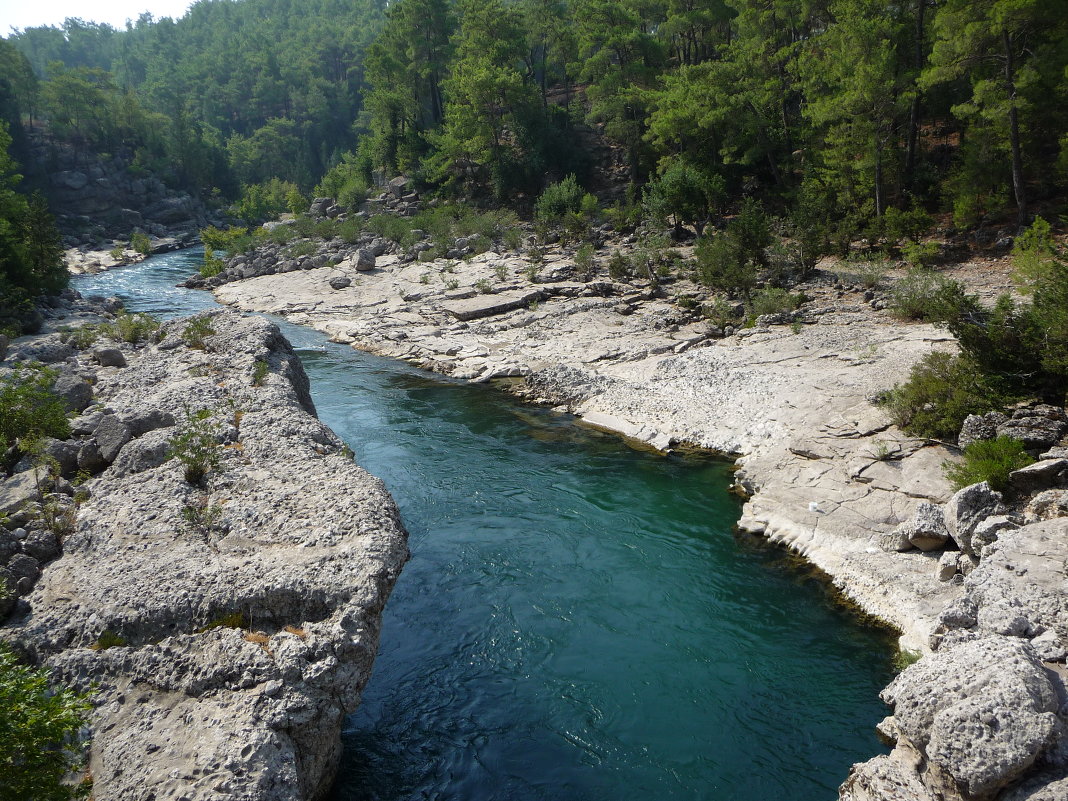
{"x":825,"y":472}
{"x":226,"y":622}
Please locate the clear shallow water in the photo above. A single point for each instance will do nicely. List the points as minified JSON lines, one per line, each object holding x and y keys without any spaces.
{"x":577,"y":620}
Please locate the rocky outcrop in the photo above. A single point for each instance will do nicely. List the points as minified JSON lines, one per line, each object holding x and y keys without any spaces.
{"x":95,"y":199}
{"x":225,"y":625}
{"x":824,"y":473}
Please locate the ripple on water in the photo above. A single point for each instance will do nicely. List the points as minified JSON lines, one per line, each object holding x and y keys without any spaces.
{"x":577,"y":620}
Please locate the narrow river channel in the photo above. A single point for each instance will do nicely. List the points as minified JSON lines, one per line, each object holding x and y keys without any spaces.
{"x":577,"y":622}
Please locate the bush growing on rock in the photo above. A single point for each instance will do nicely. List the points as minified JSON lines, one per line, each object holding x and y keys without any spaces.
{"x":196,"y":332}
{"x":560,"y":200}
{"x":140,"y":242}
{"x":131,"y":328}
{"x":774,"y":300}
{"x":685,"y":194}
{"x":925,"y":295}
{"x":989,"y":460}
{"x":38,"y":731}
{"x":195,"y":445}
{"x":29,"y":409}
{"x":942,"y":390}
{"x":721,"y":266}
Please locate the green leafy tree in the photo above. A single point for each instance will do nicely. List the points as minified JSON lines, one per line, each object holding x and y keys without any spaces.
{"x":38,"y":730}
{"x":685,"y":194}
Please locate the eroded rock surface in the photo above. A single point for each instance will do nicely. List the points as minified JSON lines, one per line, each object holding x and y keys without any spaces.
{"x":228,"y":626}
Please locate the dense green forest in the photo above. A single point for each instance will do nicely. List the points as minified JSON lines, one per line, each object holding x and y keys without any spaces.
{"x":850,"y":116}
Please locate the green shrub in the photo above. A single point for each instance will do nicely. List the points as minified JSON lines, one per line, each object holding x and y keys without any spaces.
{"x":512,"y":238}
{"x":941,"y":391}
{"x":584,"y":260}
{"x":140,"y":242}
{"x":107,"y":639}
{"x":196,"y":332}
{"x":118,"y":253}
{"x":82,"y":336}
{"x":484,"y":286}
{"x":750,"y":232}
{"x":264,"y":201}
{"x":29,"y":409}
{"x":619,"y":266}
{"x":721,"y":313}
{"x":920,"y":254}
{"x":259,"y":372}
{"x":131,"y":328}
{"x":389,"y":226}
{"x":212,"y":266}
{"x":559,"y":200}
{"x":685,"y":194}
{"x":989,"y":460}
{"x":721,"y":265}
{"x":232,"y":240}
{"x":38,"y":734}
{"x":775,"y":301}
{"x":304,"y":247}
{"x":925,"y":295}
{"x":195,"y":445}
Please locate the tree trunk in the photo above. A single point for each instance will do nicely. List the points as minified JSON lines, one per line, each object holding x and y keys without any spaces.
{"x":914,"y":108}
{"x":1014,"y":133}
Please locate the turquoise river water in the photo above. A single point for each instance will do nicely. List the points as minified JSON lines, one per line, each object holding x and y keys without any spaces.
{"x":577,"y":621}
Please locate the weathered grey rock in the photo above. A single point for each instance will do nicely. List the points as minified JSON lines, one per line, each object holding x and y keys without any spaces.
{"x":109,"y":357}
{"x":489,"y":305}
{"x":339,"y":281}
{"x":287,"y":532}
{"x":110,"y":435}
{"x":969,"y":507}
{"x":365,"y":260}
{"x":897,"y":540}
{"x":884,"y":778}
{"x":1037,"y":427}
{"x":1003,"y":617}
{"x":1039,"y":475}
{"x":75,"y":391}
{"x":980,"y":427}
{"x":987,"y":531}
{"x":928,"y":527}
{"x":1048,"y":647}
{"x":990,"y":723}
{"x":397,"y":186}
{"x":141,"y":421}
{"x":1050,"y":786}
{"x":18,"y":490}
{"x":1047,"y":505}
{"x":963,"y":613}
{"x":24,"y":566}
{"x":947,"y":566}
{"x":4,"y":342}
{"x":89,"y":457}
{"x":42,"y":545}
{"x":8,"y":592}
{"x":64,"y":452}
{"x":143,"y":453}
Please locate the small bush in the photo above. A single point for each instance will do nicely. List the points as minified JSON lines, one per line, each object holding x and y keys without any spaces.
{"x":513,"y":238}
{"x":259,"y":372}
{"x":925,"y":295}
{"x":941,"y":391}
{"x":29,"y":409}
{"x":559,"y":200}
{"x":118,"y":253}
{"x":775,"y":301}
{"x":305,"y":247}
{"x":989,"y":460}
{"x":720,"y":265}
{"x":484,"y":286}
{"x":619,"y":267}
{"x":141,"y":243}
{"x":584,"y":261}
{"x":39,"y":746}
{"x":921,"y":255}
{"x":721,"y":313}
{"x":211,"y":266}
{"x":81,"y":337}
{"x":196,"y":332}
{"x":132,"y":328}
{"x":107,"y":639}
{"x":232,"y":240}
{"x":196,"y":446}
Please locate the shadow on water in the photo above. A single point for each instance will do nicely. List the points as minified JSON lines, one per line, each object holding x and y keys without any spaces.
{"x":578,"y":620}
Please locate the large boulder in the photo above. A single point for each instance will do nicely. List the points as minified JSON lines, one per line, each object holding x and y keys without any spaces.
{"x":928,"y":528}
{"x":110,"y":435}
{"x":1038,"y":427}
{"x":979,"y":427}
{"x":982,"y":709}
{"x":365,"y":260}
{"x":967,"y":509}
{"x":75,"y":391}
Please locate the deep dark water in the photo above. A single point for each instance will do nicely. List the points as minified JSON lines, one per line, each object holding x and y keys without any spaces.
{"x":577,"y":620}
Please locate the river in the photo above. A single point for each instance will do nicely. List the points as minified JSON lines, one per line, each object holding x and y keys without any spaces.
{"x":577,"y":621}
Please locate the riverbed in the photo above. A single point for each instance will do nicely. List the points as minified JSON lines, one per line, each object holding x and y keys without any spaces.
{"x":578,"y":620}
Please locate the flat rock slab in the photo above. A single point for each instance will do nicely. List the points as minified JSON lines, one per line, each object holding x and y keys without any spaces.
{"x":476,"y":308}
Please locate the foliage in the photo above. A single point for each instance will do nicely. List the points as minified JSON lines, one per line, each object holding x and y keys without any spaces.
{"x":212,"y":266}
{"x":232,"y":240}
{"x":989,"y":460}
{"x":685,"y":194}
{"x":259,"y":373}
{"x":140,"y":242}
{"x":31,"y":262}
{"x":941,"y":391}
{"x":38,"y":734}
{"x":267,"y":200}
{"x":29,"y":409}
{"x":560,"y":200}
{"x":920,"y":255}
{"x":196,"y":332}
{"x":131,"y":328}
{"x":195,"y":445}
{"x":774,"y":300}
{"x":584,"y":260}
{"x":925,"y":295}
{"x":721,"y":265}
